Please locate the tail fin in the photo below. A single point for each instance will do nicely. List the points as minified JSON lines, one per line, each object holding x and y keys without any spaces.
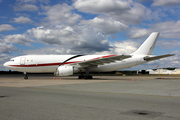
{"x":147,"y":47}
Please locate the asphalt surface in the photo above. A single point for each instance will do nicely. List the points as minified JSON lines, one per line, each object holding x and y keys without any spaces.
{"x":104,"y":98}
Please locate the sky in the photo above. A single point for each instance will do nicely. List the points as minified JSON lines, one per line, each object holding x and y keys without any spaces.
{"x":89,"y":27}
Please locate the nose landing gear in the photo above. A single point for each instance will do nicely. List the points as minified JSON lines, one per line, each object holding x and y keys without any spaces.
{"x":25,"y":77}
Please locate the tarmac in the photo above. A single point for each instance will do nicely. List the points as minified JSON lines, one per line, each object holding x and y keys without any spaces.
{"x":102,"y":98}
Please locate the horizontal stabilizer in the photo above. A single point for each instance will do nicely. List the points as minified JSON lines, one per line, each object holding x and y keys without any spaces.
{"x":157,"y":57}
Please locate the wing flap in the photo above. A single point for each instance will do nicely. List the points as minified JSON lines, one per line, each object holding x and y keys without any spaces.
{"x":157,"y":57}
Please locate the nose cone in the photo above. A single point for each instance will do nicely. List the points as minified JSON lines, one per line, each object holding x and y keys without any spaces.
{"x":5,"y":64}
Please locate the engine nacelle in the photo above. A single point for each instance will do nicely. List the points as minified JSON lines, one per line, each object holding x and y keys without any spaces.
{"x":64,"y":70}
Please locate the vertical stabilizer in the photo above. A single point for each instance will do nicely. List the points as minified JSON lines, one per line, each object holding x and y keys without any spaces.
{"x":147,"y":47}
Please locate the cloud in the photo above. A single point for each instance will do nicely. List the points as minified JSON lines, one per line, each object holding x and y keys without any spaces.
{"x":101,"y":6}
{"x":164,"y":44}
{"x":4,"y":57}
{"x":6,"y":27}
{"x":25,"y":1}
{"x":61,"y":35}
{"x":21,"y":39}
{"x":119,"y":47}
{"x":125,"y":47}
{"x":26,"y":7}
{"x":22,"y":20}
{"x":80,"y":39}
{"x":135,"y":15}
{"x":138,"y":32}
{"x":32,"y":1}
{"x":75,"y":39}
{"x":128,"y":12}
{"x":7,"y":48}
{"x":46,"y":50}
{"x":105,"y":25}
{"x":165,"y":2}
{"x":91,"y":41}
{"x":60,"y":14}
{"x":169,"y":29}
{"x":175,"y":59}
{"x":143,"y":0}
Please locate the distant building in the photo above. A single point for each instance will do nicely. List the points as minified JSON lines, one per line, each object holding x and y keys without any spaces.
{"x":143,"y":72}
{"x":164,"y":71}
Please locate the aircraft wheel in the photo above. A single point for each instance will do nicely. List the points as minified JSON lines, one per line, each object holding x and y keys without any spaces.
{"x":88,"y":77}
{"x":85,"y":77}
{"x":25,"y":77}
{"x":81,"y":77}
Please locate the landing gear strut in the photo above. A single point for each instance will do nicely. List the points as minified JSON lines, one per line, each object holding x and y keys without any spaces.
{"x":86,"y":76}
{"x":25,"y":77}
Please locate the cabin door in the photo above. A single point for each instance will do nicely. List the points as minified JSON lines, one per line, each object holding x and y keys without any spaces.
{"x":22,"y":61}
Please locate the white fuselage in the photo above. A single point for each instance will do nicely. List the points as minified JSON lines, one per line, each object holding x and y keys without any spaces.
{"x":50,"y":63}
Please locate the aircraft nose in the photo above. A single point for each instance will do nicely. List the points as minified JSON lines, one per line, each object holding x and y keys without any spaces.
{"x":5,"y":64}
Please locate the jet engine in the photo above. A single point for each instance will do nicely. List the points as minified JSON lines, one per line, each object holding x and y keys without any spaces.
{"x":64,"y":70}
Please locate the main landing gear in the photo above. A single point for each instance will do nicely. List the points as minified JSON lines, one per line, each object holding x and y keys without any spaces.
{"x":86,"y":76}
{"x":25,"y":77}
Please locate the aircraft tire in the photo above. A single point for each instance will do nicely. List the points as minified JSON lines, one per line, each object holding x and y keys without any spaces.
{"x":88,"y":77}
{"x":81,"y":77}
{"x":85,"y":77}
{"x":25,"y":77}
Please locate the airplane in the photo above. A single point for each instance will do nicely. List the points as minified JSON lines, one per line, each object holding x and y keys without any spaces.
{"x":64,"y":65}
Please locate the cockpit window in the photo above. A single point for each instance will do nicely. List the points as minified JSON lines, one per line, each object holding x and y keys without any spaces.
{"x":12,"y":60}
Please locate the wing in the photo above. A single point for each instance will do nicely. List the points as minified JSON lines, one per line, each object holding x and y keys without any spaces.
{"x":157,"y":57}
{"x":101,"y":60}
